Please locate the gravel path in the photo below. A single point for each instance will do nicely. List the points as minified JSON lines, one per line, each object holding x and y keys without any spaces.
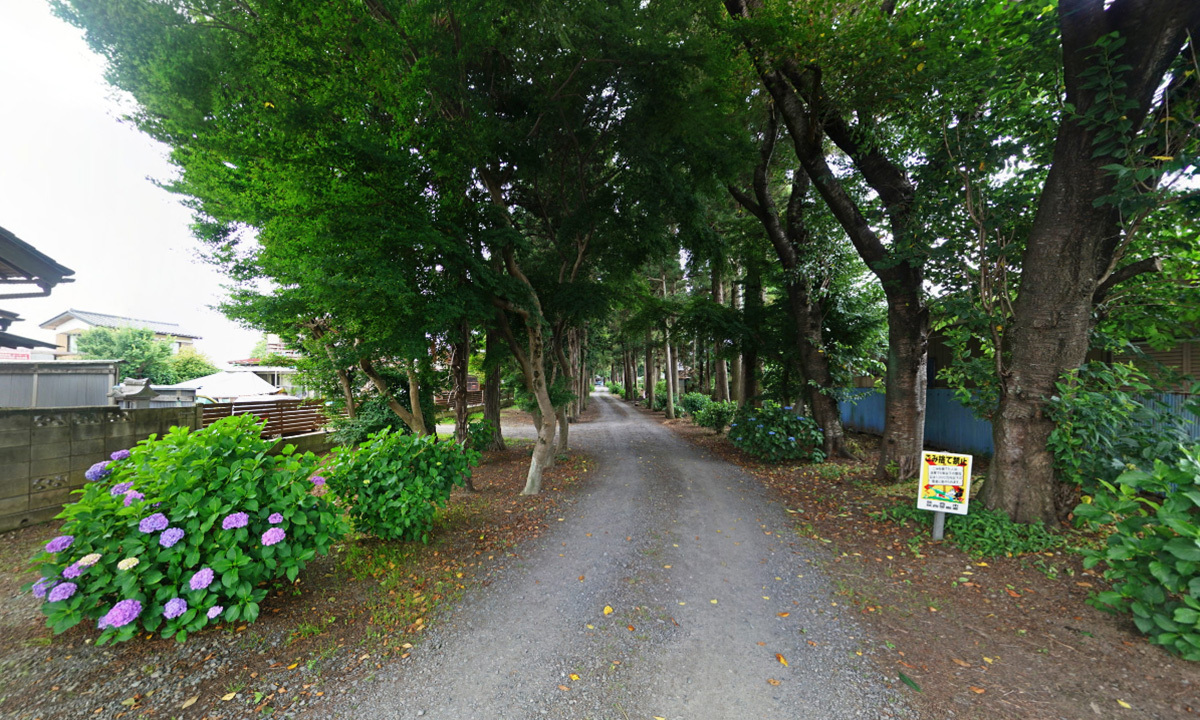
{"x":699,"y":570}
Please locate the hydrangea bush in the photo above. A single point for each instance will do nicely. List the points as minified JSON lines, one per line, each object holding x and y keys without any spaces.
{"x":184,"y":531}
{"x":776,"y":433}
{"x":693,"y":402}
{"x":393,"y":484}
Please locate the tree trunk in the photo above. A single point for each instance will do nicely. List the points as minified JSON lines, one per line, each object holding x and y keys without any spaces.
{"x":1075,"y":242}
{"x":652,"y":371}
{"x":736,"y":385}
{"x":906,"y":383}
{"x":491,"y":389}
{"x":414,"y":418}
{"x":753,"y":303}
{"x":720,"y":380}
{"x":459,"y":354}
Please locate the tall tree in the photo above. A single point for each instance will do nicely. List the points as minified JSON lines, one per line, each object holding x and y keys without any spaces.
{"x":1128,"y":68}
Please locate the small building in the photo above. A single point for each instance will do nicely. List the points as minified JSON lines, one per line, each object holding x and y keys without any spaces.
{"x":22,"y":264}
{"x":69,"y":325}
{"x":227,"y":386}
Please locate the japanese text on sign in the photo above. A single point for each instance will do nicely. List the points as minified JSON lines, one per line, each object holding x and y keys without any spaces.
{"x":945,"y":482}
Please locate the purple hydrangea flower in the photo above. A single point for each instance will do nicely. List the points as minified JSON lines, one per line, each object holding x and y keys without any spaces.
{"x":41,"y":587}
{"x":275,"y":518}
{"x":98,"y":471}
{"x":272,"y":536}
{"x":72,"y":571}
{"x":202,"y":579}
{"x":61,"y":592}
{"x":215,"y":610}
{"x":60,"y":543}
{"x":174,"y":608}
{"x":154,"y":523}
{"x":120,"y":455}
{"x":235,"y":520}
{"x":170,"y":536}
{"x":317,"y":480}
{"x":120,"y":488}
{"x":122,"y":614}
{"x":133,"y":496}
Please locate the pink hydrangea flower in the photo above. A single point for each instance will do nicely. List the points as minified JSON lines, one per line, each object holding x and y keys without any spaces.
{"x":272,"y":536}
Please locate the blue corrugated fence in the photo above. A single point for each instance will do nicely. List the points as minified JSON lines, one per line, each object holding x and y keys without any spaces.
{"x":950,"y":426}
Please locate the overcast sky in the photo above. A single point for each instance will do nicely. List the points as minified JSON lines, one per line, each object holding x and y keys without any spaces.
{"x":75,"y":182}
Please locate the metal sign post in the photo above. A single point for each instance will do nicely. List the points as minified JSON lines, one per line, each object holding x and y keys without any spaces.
{"x":945,"y":487}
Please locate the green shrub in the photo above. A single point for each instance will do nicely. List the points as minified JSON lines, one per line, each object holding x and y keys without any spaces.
{"x":374,"y":414}
{"x":1153,"y":555}
{"x":716,"y":415}
{"x":773,"y":433}
{"x":480,"y":433}
{"x":982,"y":532}
{"x":184,"y":531}
{"x":693,"y":402}
{"x":616,"y":389}
{"x":393,"y":484}
{"x":1106,"y":419}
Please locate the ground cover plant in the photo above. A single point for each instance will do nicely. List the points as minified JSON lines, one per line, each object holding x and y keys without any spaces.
{"x":393,"y":484}
{"x":775,"y":433}
{"x":184,"y":531}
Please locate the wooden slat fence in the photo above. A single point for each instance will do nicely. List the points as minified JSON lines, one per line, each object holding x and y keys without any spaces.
{"x":284,"y":418}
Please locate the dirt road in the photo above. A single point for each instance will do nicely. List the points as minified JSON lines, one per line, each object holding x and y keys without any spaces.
{"x":710,"y":592}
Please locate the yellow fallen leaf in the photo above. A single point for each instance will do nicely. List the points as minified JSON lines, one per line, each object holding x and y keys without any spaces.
{"x":564,"y":688}
{"x":189,"y":702}
{"x":659,"y":717}
{"x":783,"y":614}
{"x":293,"y":666}
{"x":630,"y":628}
{"x":666,"y":567}
{"x":1124,"y":704}
{"x":766,"y":597}
{"x":977,"y":690}
{"x":129,"y":702}
{"x":772,"y":681}
{"x":580,"y":578}
{"x":591,"y":627}
{"x":573,"y":676}
{"x":608,"y":610}
{"x":713,"y":601}
{"x":229,"y":696}
{"x":988,"y":660}
{"x":781,"y":659}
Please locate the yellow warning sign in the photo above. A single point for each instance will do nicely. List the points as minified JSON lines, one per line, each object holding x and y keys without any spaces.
{"x":945,"y":482}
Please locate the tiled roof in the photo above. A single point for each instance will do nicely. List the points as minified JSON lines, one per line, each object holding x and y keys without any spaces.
{"x":23,"y":263}
{"x":116,"y":321}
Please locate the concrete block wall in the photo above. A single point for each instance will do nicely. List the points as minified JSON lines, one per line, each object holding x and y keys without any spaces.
{"x":44,"y":452}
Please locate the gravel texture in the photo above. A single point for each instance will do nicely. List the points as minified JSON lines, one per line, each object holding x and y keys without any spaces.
{"x":709,"y":587}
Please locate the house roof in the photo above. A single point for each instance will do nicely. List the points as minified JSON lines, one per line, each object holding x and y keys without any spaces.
{"x":8,"y":340}
{"x":116,"y":321}
{"x":22,"y":263}
{"x":227,"y":384}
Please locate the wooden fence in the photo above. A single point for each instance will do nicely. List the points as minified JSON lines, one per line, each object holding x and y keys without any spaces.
{"x":284,"y":418}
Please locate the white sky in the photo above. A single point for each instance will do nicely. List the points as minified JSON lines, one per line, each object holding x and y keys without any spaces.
{"x":75,"y":184}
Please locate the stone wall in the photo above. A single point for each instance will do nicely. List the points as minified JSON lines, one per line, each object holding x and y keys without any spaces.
{"x":44,"y":452}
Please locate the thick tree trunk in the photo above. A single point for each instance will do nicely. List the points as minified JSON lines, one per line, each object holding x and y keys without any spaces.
{"x":564,"y":429}
{"x":1074,"y":244}
{"x":491,"y":390}
{"x":906,"y":383}
{"x":459,"y":354}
